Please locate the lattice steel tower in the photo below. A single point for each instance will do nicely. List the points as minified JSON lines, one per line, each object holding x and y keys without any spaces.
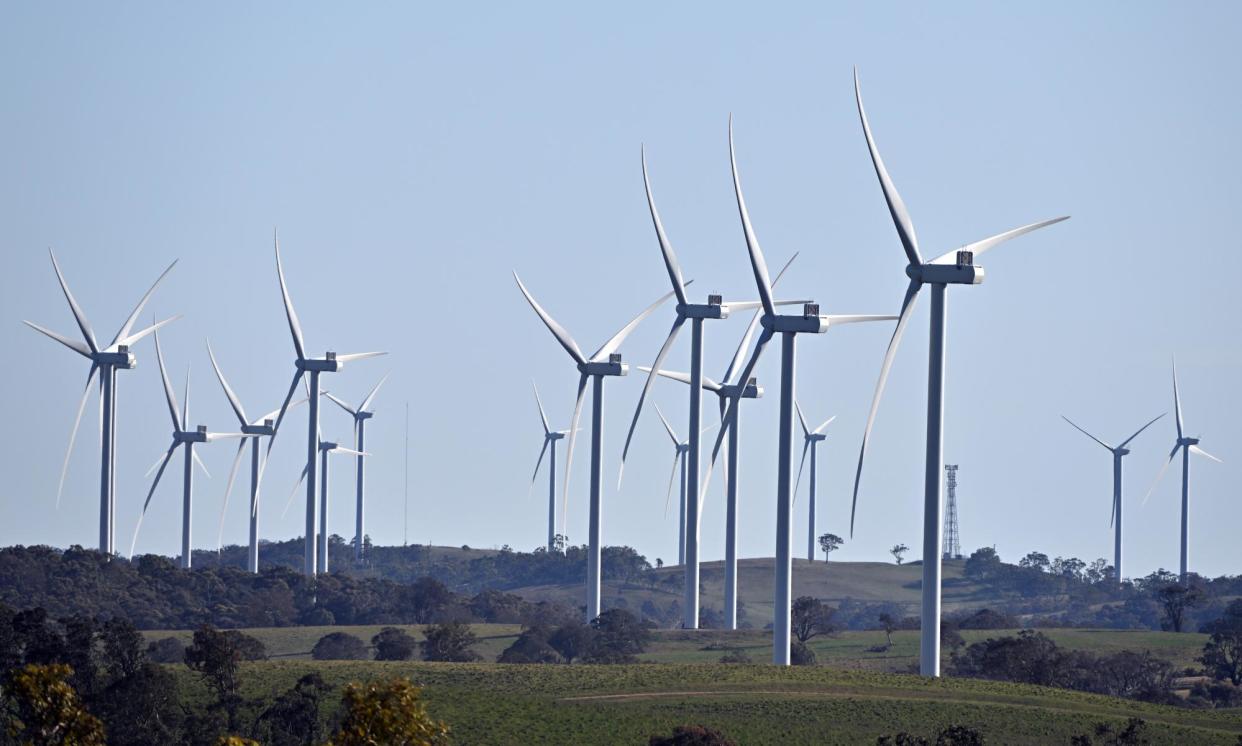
{"x":952,"y":542}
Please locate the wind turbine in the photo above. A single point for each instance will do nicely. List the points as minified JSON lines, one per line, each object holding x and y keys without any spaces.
{"x":181,"y":436}
{"x":1187,"y":445}
{"x":253,"y":431}
{"x":325,"y":448}
{"x":715,"y":308}
{"x":605,"y":362}
{"x":810,"y":439}
{"x":311,"y":367}
{"x":788,"y":326}
{"x":106,"y":361}
{"x":955,"y":267}
{"x":550,"y":438}
{"x":726,"y":391}
{"x":361,"y":414}
{"x":681,"y":449}
{"x":1114,"y":520}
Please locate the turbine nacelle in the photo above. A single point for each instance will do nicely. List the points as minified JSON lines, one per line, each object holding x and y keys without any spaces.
{"x":120,"y":358}
{"x":1121,"y":451}
{"x":327,"y":446}
{"x":1187,"y":441}
{"x":750,"y":390}
{"x":946,"y":274}
{"x":715,"y":308}
{"x":326,"y":364}
{"x":197,"y":435}
{"x":363,"y":415}
{"x":610,"y":367}
{"x":808,"y":323}
{"x":816,"y":437}
{"x":266,"y":428}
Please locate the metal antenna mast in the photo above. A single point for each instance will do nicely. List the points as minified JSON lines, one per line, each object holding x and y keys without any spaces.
{"x":405,"y":515}
{"x":952,"y":542}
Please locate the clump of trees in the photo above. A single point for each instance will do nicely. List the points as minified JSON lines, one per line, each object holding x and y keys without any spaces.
{"x":615,"y":636}
{"x":339,"y":646}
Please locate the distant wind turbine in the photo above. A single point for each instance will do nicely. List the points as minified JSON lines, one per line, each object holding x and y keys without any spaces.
{"x":681,"y":449}
{"x":550,"y":438}
{"x":106,"y":361}
{"x":1114,"y":520}
{"x":1187,"y":446}
{"x":181,"y":436}
{"x":955,"y":267}
{"x":810,"y":439}
{"x":325,"y":448}
{"x":361,"y":414}
{"x":605,"y":362}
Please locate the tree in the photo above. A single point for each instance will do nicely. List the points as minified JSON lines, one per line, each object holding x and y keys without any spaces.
{"x":899,"y":551}
{"x":49,"y":711}
{"x":393,"y":644}
{"x":810,"y":617}
{"x":217,"y":660}
{"x":983,"y":564}
{"x":293,"y":718}
{"x":1174,"y":600}
{"x":387,"y":712}
{"x":1035,"y":561}
{"x":122,"y":648}
{"x":800,"y":654}
{"x":1223,"y":652}
{"x":339,"y":646}
{"x":888,"y":624}
{"x":450,"y":641}
{"x":618,"y":637}
{"x":166,"y":650}
{"x":572,"y":640}
{"x":829,"y":543}
{"x":530,"y":647}
{"x":143,"y":708}
{"x":692,"y":735}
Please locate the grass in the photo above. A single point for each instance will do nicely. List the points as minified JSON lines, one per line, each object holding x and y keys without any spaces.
{"x":496,"y":704}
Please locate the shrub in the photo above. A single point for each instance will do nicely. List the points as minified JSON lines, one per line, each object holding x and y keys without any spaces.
{"x":736,"y":656}
{"x":339,"y":646}
{"x":166,"y":650}
{"x":530,"y":647}
{"x":801,"y":655}
{"x":392,"y":644}
{"x":692,"y":735}
{"x":387,"y":712}
{"x":449,"y":642}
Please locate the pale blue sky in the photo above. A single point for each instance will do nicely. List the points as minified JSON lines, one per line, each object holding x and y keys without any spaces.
{"x":411,"y":156}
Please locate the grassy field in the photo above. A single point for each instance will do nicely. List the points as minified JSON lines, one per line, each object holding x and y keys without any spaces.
{"x":496,"y":704}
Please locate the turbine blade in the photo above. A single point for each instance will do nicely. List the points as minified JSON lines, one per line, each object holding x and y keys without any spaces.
{"x":293,"y":387}
{"x":366,"y":403}
{"x":73,"y":434}
{"x":827,"y":422}
{"x":228,"y":391}
{"x":907,"y":308}
{"x":295,"y":327}
{"x":341,"y":404}
{"x":228,"y":488}
{"x":1141,"y":429}
{"x":1112,"y":517}
{"x":78,"y":315}
{"x":896,"y":207}
{"x":1089,"y":435}
{"x":614,"y":343}
{"x":547,"y":429}
{"x":670,"y":258}
{"x":668,"y":428}
{"x":273,"y":414}
{"x":169,"y":395}
{"x":1177,"y":401}
{"x":708,"y":383}
{"x":137,"y":336}
{"x":349,"y":357}
{"x":154,"y":483}
{"x":212,"y":437}
{"x":757,"y":263}
{"x":348,"y":451}
{"x":1156,"y":481}
{"x":802,"y":419}
{"x":569,"y":447}
{"x":742,"y":346}
{"x":200,"y":463}
{"x":72,"y":344}
{"x":668,"y":494}
{"x":185,"y":405}
{"x":764,"y":338}
{"x":538,"y":463}
{"x":1201,"y":452}
{"x":121,"y":335}
{"x":557,"y":330}
{"x":857,"y":318}
{"x":642,"y":397}
{"x":293,"y":493}
{"x":806,"y":446}
{"x":978,"y":247}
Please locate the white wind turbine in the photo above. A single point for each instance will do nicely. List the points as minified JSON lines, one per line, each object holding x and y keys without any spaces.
{"x":605,"y":362}
{"x":253,"y":431}
{"x":550,"y":438}
{"x":361,"y":414}
{"x":1114,"y":520}
{"x":728,"y":390}
{"x":181,"y":436}
{"x":310,"y":367}
{"x":696,"y":313}
{"x":680,"y":448}
{"x":788,"y":326}
{"x":1187,"y":445}
{"x":106,"y":361}
{"x":325,"y":449}
{"x":951,"y":268}
{"x":810,"y":439}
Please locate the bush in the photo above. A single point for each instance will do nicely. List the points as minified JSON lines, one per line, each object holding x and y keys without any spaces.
{"x":449,"y":642}
{"x":339,"y":646}
{"x":736,"y":656}
{"x":387,"y":712}
{"x":530,"y":647}
{"x":692,"y":735}
{"x":619,"y":636}
{"x":392,"y":644}
{"x":572,"y":640}
{"x":801,"y":655}
{"x":166,"y":650}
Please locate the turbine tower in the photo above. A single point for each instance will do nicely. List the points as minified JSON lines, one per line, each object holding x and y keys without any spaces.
{"x":810,"y":439}
{"x":951,"y":268}
{"x":325,"y":448}
{"x":105,"y":361}
{"x":1187,"y":446}
{"x":311,"y":367}
{"x":788,"y":326}
{"x":253,"y":431}
{"x":361,"y":414}
{"x":1114,"y":520}
{"x":550,"y":438}
{"x":680,"y":450}
{"x":726,"y":391}
{"x":604,"y":363}
{"x":181,"y":436}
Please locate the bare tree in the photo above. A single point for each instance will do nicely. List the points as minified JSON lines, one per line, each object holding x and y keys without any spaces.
{"x":898,"y":551}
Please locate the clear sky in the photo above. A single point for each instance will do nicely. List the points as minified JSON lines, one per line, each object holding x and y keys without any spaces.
{"x":412,"y":155}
